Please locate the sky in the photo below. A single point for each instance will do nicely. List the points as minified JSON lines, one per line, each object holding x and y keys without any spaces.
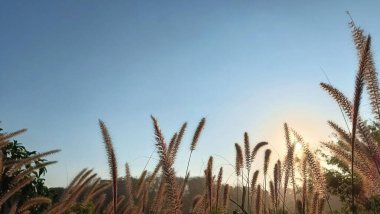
{"x":247,"y":66}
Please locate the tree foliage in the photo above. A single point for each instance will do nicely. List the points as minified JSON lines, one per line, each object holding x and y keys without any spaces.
{"x":15,"y":151}
{"x":338,"y":175}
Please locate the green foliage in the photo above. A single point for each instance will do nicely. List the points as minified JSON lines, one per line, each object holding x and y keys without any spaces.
{"x":339,"y":181}
{"x":55,"y":193}
{"x":338,"y":176}
{"x":81,"y":209}
{"x":16,"y":151}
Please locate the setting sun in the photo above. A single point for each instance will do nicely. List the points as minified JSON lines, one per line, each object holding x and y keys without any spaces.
{"x":298,"y":149}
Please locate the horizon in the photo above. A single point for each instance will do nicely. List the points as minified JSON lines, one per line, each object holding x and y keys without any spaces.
{"x":245,"y":66}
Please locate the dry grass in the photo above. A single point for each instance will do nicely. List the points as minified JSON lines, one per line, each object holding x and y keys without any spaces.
{"x":358,"y":147}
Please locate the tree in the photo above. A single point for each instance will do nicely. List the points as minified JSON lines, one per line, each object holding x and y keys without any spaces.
{"x":16,"y":151}
{"x":338,"y":175}
{"x":23,"y":168}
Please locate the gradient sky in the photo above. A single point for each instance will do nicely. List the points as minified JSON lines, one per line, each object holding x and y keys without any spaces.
{"x":244,"y":65}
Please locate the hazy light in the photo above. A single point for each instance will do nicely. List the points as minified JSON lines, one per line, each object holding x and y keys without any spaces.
{"x":298,"y":149}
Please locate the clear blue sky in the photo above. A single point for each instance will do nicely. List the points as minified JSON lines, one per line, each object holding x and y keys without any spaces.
{"x":245,"y":65}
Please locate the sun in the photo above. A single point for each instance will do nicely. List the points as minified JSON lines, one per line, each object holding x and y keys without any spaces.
{"x":298,"y":149}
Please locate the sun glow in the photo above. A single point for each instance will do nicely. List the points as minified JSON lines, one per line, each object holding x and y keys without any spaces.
{"x":298,"y":149}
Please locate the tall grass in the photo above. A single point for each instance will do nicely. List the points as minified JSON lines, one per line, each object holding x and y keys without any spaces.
{"x":141,"y":197}
{"x":359,"y":148}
